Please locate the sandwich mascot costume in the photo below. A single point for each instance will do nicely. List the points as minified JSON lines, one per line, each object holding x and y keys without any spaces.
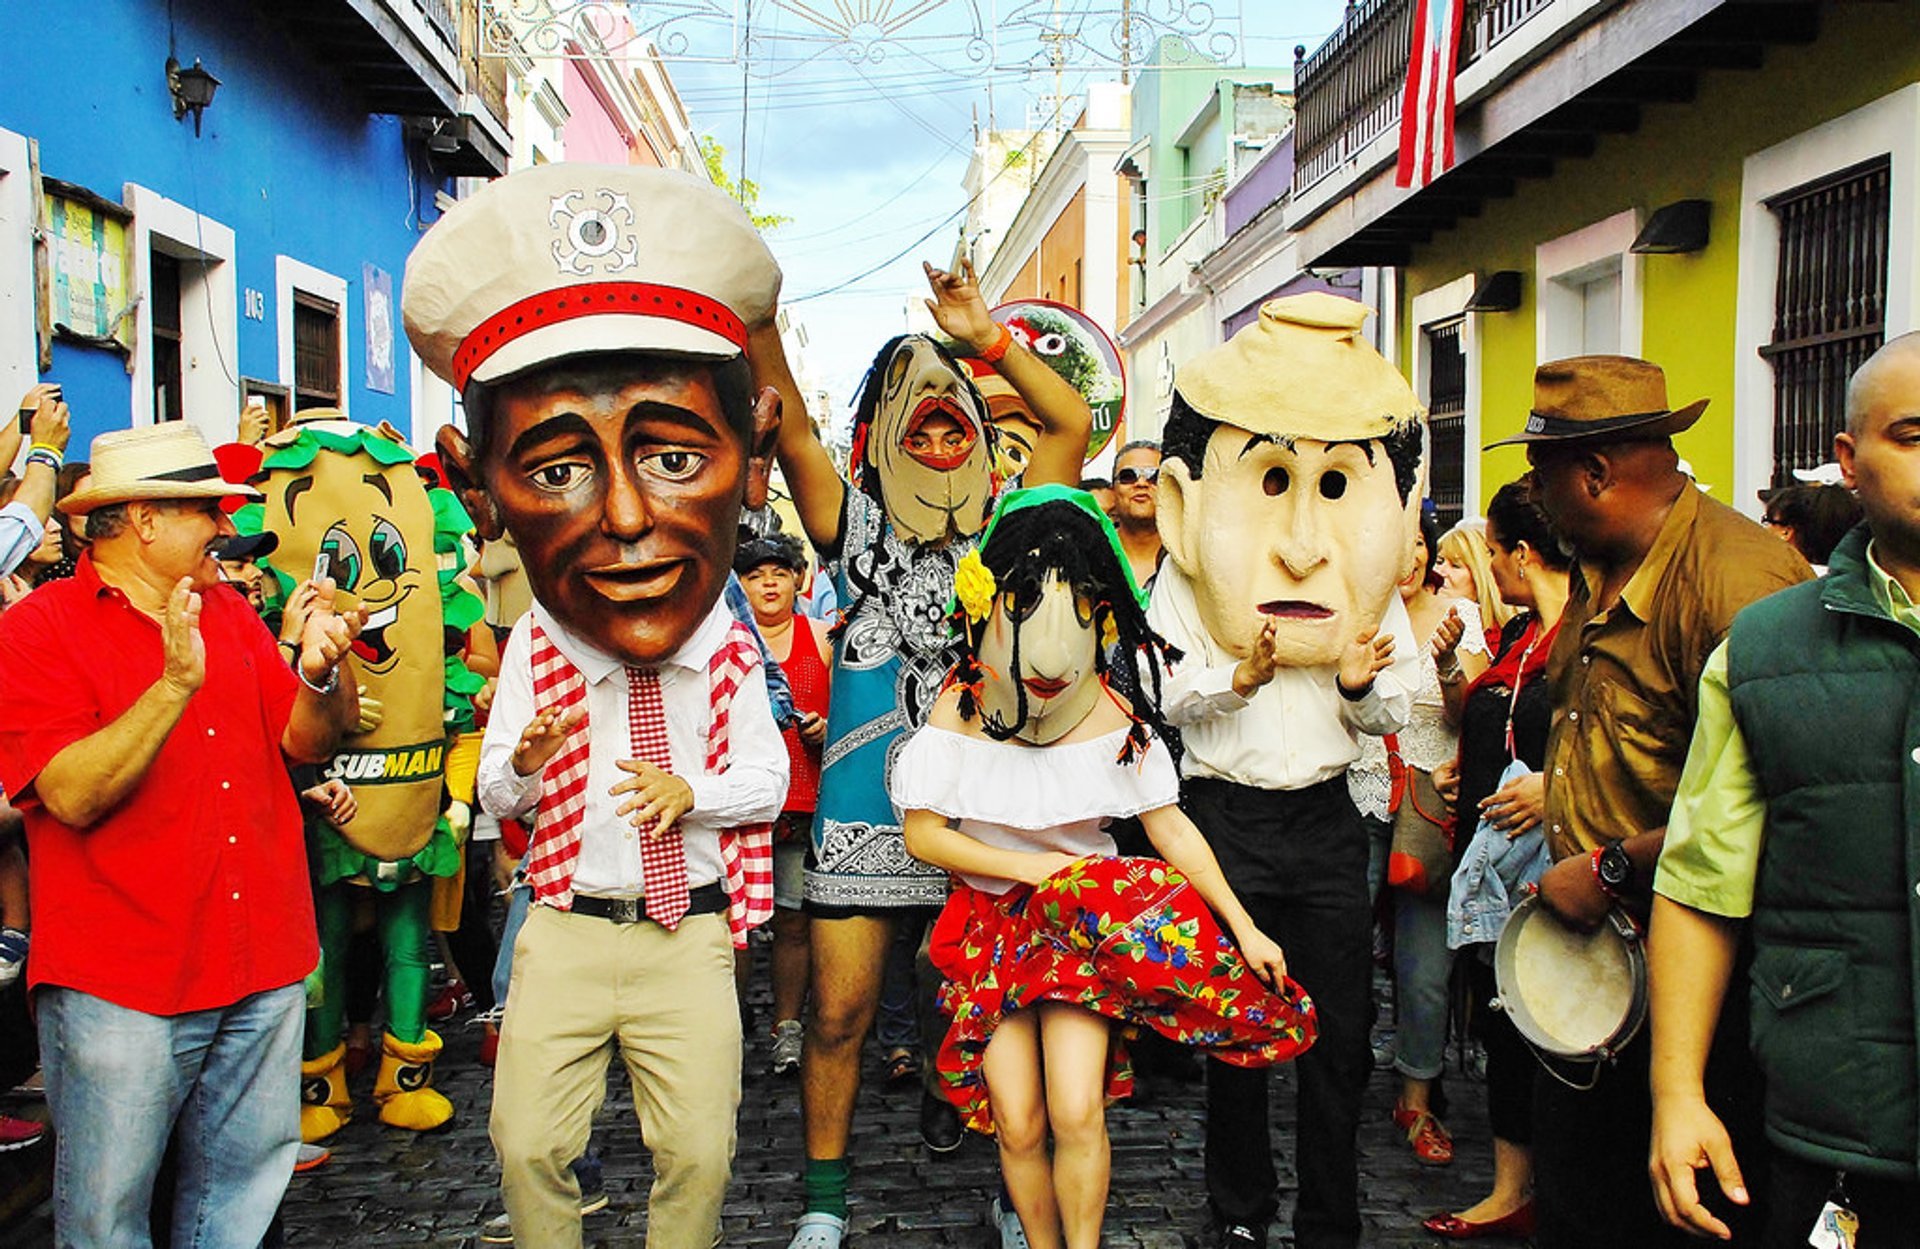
{"x":351,"y":496}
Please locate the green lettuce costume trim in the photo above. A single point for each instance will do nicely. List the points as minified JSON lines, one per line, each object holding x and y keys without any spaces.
{"x":460,"y":608}
{"x":334,"y":860}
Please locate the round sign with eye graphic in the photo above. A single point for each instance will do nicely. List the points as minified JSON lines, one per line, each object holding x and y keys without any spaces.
{"x":1076,"y":348}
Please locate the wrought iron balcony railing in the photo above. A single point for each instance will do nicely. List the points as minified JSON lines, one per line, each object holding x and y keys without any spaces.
{"x":1348,"y":92}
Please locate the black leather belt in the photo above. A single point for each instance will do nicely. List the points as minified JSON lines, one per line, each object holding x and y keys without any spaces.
{"x":705,"y":900}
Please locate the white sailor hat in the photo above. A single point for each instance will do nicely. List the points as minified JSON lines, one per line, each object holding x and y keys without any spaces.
{"x":571,"y":258}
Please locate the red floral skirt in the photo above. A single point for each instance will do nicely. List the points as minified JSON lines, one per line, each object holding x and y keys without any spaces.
{"x":1127,"y":938}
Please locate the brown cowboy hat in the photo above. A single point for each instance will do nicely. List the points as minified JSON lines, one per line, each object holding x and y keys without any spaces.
{"x":1601,"y":399}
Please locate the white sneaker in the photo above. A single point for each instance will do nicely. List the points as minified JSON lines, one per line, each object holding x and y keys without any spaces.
{"x":789,"y":1038}
{"x":499,"y":1228}
{"x":13,"y":955}
{"x":1012,"y":1235}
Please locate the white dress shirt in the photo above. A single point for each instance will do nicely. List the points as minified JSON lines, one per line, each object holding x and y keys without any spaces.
{"x":1296,"y":730}
{"x":750,"y":791}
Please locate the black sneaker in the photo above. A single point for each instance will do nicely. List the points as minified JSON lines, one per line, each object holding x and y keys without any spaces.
{"x":1241,"y":1236}
{"x":939,"y":1124}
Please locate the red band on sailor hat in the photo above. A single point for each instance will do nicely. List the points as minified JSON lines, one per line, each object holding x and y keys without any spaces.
{"x":593,"y":299}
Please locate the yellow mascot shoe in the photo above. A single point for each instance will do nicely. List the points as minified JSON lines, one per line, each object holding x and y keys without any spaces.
{"x":404,"y":1090}
{"x":325,"y":1106}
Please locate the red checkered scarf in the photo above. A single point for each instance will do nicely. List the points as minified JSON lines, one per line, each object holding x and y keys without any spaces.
{"x":746,"y":853}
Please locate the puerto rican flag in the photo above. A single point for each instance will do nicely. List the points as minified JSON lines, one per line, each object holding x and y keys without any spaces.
{"x":1426,"y":111}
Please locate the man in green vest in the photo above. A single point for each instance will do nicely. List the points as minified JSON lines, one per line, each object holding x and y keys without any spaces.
{"x":1798,"y":819}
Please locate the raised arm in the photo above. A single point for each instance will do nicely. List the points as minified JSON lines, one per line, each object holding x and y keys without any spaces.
{"x":1065,"y":420}
{"x":51,"y":427}
{"x":818,"y":491}
{"x":328,"y":702}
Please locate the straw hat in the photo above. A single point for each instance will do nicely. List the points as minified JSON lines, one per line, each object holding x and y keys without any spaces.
{"x":1302,"y":370}
{"x":571,"y":258}
{"x":165,"y":461}
{"x":1600,"y":399}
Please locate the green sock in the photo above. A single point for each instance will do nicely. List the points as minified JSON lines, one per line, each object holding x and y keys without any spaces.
{"x":826,"y":1184}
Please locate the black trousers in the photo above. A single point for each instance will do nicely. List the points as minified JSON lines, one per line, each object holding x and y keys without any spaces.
{"x":1590,"y":1180}
{"x":1510,"y":1064}
{"x":1298,"y":861}
{"x":1889,"y":1210}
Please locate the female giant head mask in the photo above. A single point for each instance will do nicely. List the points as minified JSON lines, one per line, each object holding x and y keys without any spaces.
{"x":1292,"y":480}
{"x":1048,"y":612}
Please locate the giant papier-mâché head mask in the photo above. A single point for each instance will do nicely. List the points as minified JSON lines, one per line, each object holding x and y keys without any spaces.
{"x":1291,"y":484}
{"x":921,"y":444}
{"x":1048,"y":610}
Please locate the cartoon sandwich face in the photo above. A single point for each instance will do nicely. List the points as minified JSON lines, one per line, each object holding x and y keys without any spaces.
{"x":350,"y":494}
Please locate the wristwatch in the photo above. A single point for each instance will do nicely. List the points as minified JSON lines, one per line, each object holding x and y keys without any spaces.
{"x":1613,"y":870}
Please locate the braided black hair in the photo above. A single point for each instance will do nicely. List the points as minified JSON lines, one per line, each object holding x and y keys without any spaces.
{"x":1062,"y":538}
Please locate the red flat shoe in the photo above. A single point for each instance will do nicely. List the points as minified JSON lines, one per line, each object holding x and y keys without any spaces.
{"x":1517,"y":1225}
{"x":453,"y":999}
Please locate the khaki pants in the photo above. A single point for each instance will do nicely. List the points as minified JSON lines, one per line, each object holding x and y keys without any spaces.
{"x":582,"y":986}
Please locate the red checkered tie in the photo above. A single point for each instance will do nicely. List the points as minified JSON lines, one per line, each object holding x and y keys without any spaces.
{"x":663,"y":860}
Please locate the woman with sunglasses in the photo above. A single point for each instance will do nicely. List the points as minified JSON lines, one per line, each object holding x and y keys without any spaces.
{"x":1136,"y":474}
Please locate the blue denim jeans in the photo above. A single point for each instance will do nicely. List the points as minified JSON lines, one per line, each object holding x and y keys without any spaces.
{"x":1422,"y":965}
{"x":519,"y":901}
{"x":225,"y":1083}
{"x":1379,"y":845}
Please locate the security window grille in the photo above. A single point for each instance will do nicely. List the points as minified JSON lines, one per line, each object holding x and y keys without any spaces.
{"x":316,"y":352}
{"x":1829,"y":307}
{"x":163,"y":289}
{"x":1447,"y":419}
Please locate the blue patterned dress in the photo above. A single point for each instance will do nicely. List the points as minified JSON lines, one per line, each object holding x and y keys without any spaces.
{"x":888,"y":665}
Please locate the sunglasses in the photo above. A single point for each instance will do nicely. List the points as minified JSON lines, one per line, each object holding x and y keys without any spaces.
{"x":1136,"y":476}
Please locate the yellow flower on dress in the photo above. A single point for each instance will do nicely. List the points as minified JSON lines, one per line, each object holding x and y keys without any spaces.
{"x":974,"y":586}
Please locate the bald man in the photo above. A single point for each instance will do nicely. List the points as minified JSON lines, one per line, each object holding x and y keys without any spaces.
{"x":1793,"y":825}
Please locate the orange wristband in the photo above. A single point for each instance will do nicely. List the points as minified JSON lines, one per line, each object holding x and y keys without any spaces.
{"x":994,"y":354}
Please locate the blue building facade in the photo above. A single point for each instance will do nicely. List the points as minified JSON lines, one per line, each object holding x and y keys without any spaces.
{"x":258,"y":261}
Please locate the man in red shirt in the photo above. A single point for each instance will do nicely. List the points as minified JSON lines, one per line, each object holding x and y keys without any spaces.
{"x":146,"y":719}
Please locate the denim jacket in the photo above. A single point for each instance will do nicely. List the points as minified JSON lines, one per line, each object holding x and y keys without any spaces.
{"x":1492,"y":874}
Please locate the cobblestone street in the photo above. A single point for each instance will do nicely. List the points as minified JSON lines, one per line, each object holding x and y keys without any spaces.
{"x":385,"y":1187}
{"x":388,"y":1187}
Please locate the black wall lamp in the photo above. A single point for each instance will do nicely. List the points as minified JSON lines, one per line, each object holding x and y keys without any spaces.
{"x":192,"y":90}
{"x":1679,"y":227}
{"x":1497,"y":292}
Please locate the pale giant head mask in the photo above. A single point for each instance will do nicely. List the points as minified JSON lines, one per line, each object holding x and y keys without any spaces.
{"x":1040,"y":601}
{"x":1041,"y":653}
{"x":921,"y":443}
{"x":1292,"y":480}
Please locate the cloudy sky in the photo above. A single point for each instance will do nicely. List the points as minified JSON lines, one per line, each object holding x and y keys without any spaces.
{"x":866,"y":153}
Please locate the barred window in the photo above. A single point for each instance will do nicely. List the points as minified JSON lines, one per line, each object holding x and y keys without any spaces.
{"x":164,"y":295}
{"x":1829,"y":307}
{"x":316,"y":352}
{"x":1447,"y":419}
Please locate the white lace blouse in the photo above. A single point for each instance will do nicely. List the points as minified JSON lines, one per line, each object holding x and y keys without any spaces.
{"x":1032,"y":798}
{"x":1427,"y":741}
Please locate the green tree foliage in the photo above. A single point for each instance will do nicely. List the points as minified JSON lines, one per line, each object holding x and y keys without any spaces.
{"x":746,"y":190}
